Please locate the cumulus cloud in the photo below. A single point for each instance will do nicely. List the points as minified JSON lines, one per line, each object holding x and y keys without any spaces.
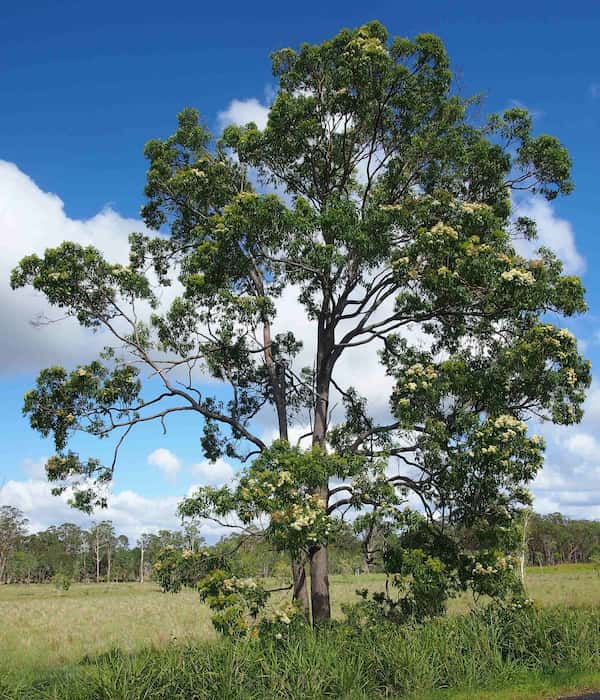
{"x":592,"y":408}
{"x":553,"y":232}
{"x":213,"y":473}
{"x":583,"y":445}
{"x":168,"y":463}
{"x":32,"y":220}
{"x":570,"y":479}
{"x":131,"y":512}
{"x":242,"y":112}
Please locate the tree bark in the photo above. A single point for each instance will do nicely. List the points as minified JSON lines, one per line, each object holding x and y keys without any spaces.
{"x":142,"y":560}
{"x":319,"y":560}
{"x":319,"y":585}
{"x":300,"y":592}
{"x":97,"y":557}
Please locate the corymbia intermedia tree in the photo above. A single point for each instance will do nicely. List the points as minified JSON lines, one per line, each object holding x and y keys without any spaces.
{"x":377,"y":195}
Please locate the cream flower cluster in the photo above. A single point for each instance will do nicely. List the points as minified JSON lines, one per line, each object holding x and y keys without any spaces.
{"x":284,"y":614}
{"x":566,"y":334}
{"x":444,"y":230}
{"x":571,"y":377}
{"x":238,"y":585}
{"x":510,"y":423}
{"x":501,"y":564}
{"x":419,"y":370}
{"x":472,"y":207}
{"x":519,"y":276}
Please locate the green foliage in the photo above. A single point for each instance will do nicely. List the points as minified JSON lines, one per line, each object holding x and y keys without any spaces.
{"x":236,"y":602}
{"x":280,"y":483}
{"x":61,"y":582}
{"x":175,"y":568}
{"x":555,"y":539}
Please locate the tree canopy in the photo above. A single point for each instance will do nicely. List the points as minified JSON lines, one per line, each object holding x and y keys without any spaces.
{"x":375,"y":194}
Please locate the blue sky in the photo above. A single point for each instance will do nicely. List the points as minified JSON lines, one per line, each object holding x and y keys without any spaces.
{"x":85,"y":85}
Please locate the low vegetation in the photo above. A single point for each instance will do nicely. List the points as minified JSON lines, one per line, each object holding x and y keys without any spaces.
{"x":103,"y":634}
{"x":488,"y":649}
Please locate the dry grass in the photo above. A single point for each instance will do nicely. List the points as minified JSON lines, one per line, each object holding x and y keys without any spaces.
{"x":42,"y":628}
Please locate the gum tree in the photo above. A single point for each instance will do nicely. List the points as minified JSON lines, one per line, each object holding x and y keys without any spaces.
{"x":376,"y":197}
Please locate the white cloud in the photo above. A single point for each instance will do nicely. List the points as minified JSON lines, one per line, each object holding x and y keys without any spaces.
{"x":583,"y":445}
{"x":570,"y":479}
{"x":592,"y":407}
{"x":31,"y":221}
{"x":168,"y":463}
{"x":213,"y":473}
{"x":242,"y":112}
{"x":553,"y":232}
{"x":594,"y":90}
{"x":131,"y":513}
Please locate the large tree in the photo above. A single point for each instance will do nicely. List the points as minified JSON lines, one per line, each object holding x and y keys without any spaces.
{"x":375,"y":195}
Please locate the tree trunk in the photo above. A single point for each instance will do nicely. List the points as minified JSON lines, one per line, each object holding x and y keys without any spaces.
{"x":97,"y":558}
{"x":319,"y":561}
{"x":524,"y":546}
{"x":319,"y":585}
{"x":300,"y":592}
{"x":142,"y":561}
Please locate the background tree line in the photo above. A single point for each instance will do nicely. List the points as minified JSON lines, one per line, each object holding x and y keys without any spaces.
{"x":100,"y":553}
{"x":555,"y":539}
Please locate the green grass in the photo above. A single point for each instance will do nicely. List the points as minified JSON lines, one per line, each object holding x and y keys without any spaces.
{"x":463,"y":656}
{"x":44,"y":632}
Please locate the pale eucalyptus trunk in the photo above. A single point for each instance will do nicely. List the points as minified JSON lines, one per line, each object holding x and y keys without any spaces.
{"x":142,"y":560}
{"x":319,"y":560}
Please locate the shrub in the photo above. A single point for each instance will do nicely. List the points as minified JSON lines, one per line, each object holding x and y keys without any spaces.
{"x":62,"y":582}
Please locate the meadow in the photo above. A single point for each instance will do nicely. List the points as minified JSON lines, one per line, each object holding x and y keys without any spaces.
{"x":43,"y":628}
{"x":93,"y":626}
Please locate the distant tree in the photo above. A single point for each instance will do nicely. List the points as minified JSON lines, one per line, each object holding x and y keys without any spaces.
{"x":143,"y":545}
{"x":13,"y":529}
{"x":101,"y":537}
{"x":392,"y":212}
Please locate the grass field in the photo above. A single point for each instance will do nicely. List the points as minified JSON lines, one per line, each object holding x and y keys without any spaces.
{"x":42,"y":628}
